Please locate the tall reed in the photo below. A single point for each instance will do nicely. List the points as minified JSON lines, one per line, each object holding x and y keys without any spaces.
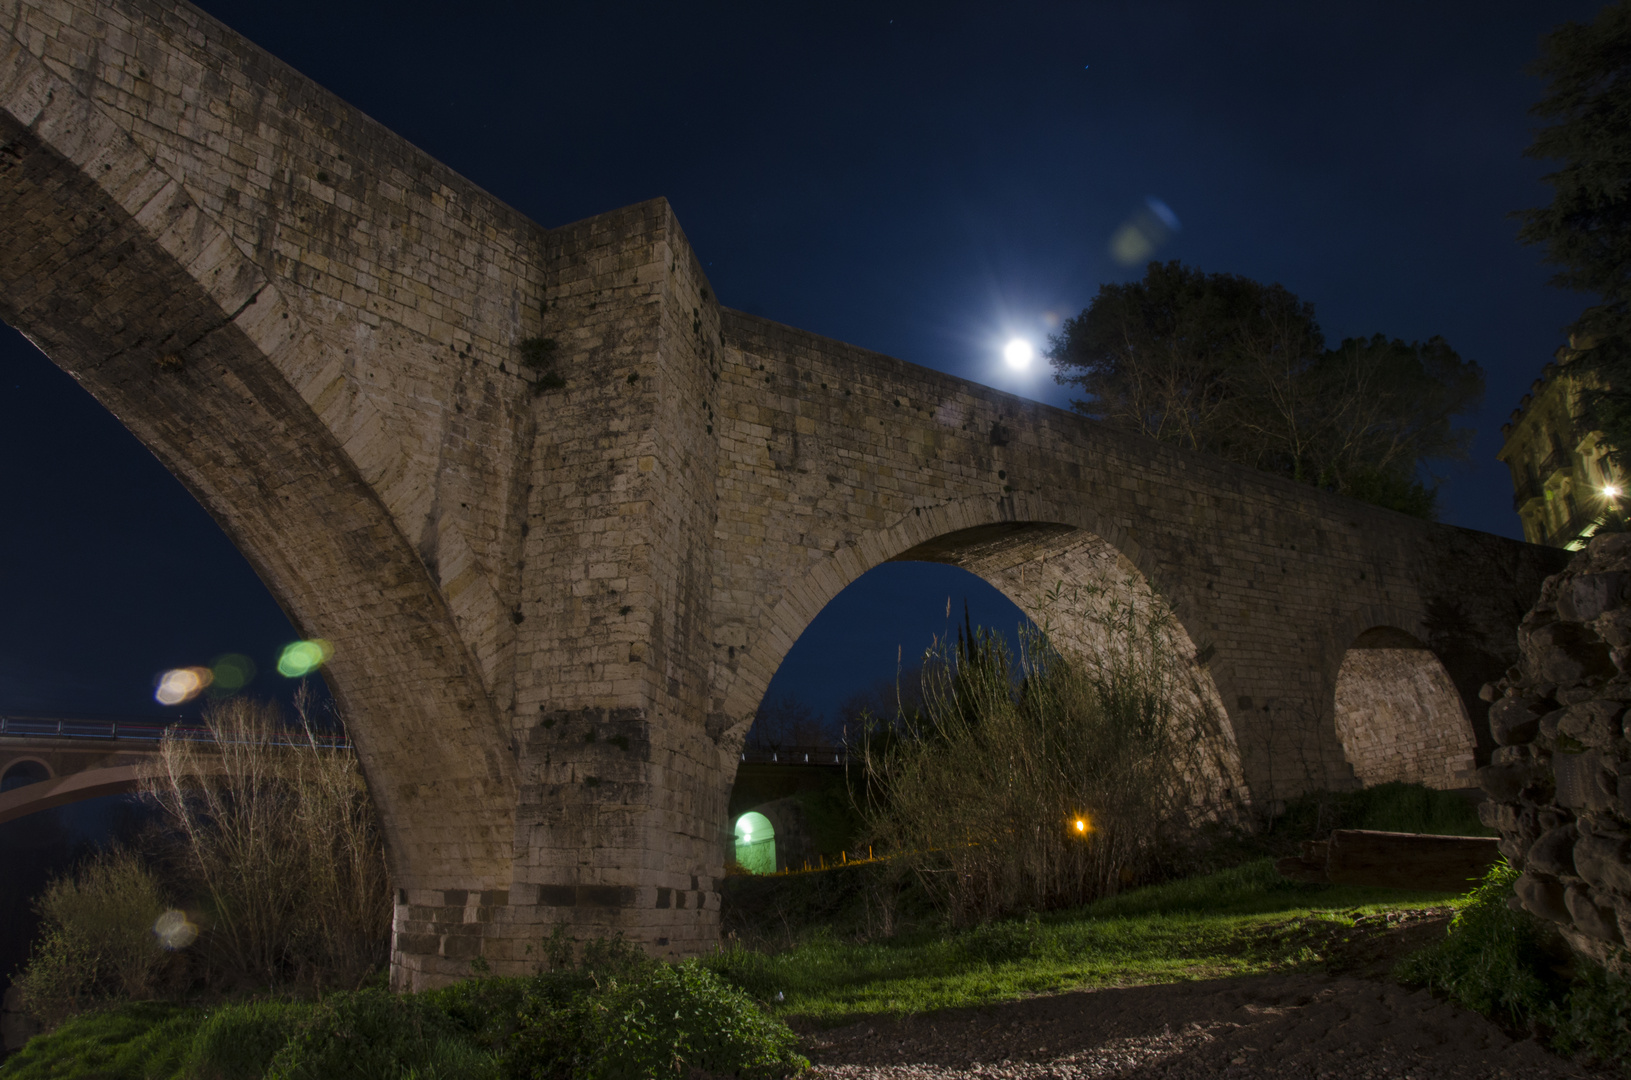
{"x":1041,"y":780}
{"x":275,"y":836}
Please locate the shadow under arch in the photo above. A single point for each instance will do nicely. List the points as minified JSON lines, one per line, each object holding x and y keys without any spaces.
{"x":1054,"y":562}
{"x":1398,"y":714}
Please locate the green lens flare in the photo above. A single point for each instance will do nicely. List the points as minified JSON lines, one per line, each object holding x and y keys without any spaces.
{"x":303,"y":658}
{"x":231,"y":672}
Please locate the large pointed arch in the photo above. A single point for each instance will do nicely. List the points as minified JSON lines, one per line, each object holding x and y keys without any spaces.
{"x":115,"y":270}
{"x":1052,"y":560}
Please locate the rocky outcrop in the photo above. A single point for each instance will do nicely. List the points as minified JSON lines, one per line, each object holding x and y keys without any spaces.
{"x":1559,"y":783}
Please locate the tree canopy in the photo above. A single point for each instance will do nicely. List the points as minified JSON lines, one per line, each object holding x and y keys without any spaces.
{"x":1586,"y":230}
{"x":1228,"y":366}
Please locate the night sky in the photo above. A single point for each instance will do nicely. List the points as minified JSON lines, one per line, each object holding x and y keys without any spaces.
{"x":926,"y":181}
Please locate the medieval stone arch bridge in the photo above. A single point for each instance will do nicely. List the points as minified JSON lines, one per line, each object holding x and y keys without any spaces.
{"x":554,"y":607}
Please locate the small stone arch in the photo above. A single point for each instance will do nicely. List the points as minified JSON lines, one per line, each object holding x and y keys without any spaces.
{"x":755,"y":849}
{"x":22,"y":772}
{"x":1398,"y":714}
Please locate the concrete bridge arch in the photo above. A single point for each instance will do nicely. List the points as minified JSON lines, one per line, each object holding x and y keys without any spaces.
{"x":553,"y":590}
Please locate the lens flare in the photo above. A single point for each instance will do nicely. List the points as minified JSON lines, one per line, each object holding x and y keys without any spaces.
{"x":1081,"y":826}
{"x":303,"y":658}
{"x":1139,"y":237}
{"x":182,"y":684}
{"x":232,"y":672}
{"x":1018,"y":353}
{"x":1611,"y":490}
{"x":174,"y":930}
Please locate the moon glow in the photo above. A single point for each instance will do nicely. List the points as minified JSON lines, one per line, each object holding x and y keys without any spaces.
{"x":1018,"y":353}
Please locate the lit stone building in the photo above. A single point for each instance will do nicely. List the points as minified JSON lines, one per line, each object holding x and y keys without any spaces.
{"x":1562,"y":476}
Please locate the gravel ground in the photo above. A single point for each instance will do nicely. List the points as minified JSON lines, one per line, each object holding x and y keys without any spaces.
{"x":1313,"y":1026}
{"x":1345,"y":1022}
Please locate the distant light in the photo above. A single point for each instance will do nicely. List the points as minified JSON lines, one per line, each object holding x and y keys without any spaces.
{"x":303,"y":658}
{"x":182,"y":684}
{"x":1018,"y":353}
{"x":1081,"y":825}
{"x":1612,"y":491}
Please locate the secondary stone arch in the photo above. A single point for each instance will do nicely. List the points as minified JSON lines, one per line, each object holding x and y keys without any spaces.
{"x":1054,"y":562}
{"x":1397,"y":712}
{"x":114,"y":269}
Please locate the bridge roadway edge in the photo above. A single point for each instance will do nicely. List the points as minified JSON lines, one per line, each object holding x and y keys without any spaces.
{"x":553,"y":611}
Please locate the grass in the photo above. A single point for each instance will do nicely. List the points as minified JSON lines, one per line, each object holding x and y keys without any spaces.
{"x":1241,"y":921}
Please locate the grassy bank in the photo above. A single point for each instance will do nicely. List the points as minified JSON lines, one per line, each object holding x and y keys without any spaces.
{"x":1240,"y":921}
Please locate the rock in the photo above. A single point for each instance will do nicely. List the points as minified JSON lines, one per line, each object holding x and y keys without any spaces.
{"x":1615,"y":628}
{"x":1542,"y":898}
{"x":1553,"y":853}
{"x":1582,"y":783}
{"x":1586,"y":596}
{"x":1502,"y":817}
{"x":1503,"y":783}
{"x":1515,"y":720}
{"x":1588,"y":917}
{"x":1594,"y":723}
{"x":1487,"y":692}
{"x":1602,"y":862}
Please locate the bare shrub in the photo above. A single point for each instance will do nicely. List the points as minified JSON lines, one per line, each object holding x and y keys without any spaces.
{"x":97,"y":941}
{"x":1042,"y":781}
{"x":275,"y":835}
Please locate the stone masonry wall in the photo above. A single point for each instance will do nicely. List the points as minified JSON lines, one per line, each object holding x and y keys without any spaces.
{"x":1559,"y":786}
{"x":1400,"y":719}
{"x":555,"y":604}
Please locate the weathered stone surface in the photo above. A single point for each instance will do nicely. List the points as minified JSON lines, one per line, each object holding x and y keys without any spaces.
{"x":1553,"y":853}
{"x":1588,"y":917}
{"x":1594,"y":723}
{"x":1587,"y":596}
{"x":1504,"y":783}
{"x":1516,"y":720}
{"x":1604,"y":863}
{"x":1575,"y":782}
{"x":1543,"y":898}
{"x":556,"y":603}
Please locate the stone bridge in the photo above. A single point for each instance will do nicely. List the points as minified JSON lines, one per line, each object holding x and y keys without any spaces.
{"x":559,"y":577}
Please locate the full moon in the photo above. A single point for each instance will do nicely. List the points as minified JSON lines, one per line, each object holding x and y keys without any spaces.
{"x":1018,"y":353}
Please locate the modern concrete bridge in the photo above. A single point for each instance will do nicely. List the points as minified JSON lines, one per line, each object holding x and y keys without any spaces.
{"x":559,"y":577}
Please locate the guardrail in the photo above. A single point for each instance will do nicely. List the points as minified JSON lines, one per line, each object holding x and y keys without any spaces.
{"x":794,"y":755}
{"x":63,"y":727}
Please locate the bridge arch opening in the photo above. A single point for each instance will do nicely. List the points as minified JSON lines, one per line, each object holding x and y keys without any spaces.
{"x":22,"y":773}
{"x":1398,"y":714}
{"x":1064,"y":579}
{"x":755,"y":843}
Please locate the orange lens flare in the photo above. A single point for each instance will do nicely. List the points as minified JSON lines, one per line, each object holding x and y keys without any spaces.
{"x":1081,"y":826}
{"x":182,"y":684}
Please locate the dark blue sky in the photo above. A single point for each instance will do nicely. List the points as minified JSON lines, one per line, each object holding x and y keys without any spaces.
{"x":924,"y":180}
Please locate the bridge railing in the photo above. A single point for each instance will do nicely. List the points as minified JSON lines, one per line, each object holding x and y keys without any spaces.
{"x":65,"y":727}
{"x":794,"y":755}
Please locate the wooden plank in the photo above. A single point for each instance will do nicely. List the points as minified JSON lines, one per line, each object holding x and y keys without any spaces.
{"x":1408,"y":860}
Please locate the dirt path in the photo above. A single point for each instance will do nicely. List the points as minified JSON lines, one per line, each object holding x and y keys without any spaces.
{"x":1344,"y":1023}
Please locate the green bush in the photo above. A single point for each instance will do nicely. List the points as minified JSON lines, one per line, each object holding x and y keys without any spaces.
{"x":97,"y":941}
{"x":1391,"y":807}
{"x":680,"y":1018}
{"x":142,"y":1041}
{"x":239,"y":1042}
{"x":1494,"y":960}
{"x":1594,"y":1020}
{"x":376,"y":1035}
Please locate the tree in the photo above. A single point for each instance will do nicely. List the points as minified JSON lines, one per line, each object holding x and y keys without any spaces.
{"x":1228,"y":366}
{"x":1587,"y":228}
